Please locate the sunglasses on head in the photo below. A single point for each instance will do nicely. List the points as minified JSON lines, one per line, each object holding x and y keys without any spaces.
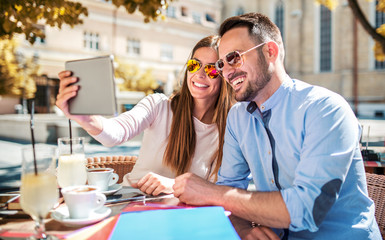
{"x":234,"y":59}
{"x":194,"y":65}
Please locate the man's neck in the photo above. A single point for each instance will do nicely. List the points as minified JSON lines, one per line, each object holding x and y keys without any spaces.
{"x":273,"y":85}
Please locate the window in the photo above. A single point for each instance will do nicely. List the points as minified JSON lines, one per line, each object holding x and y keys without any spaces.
{"x":239,"y":11}
{"x":171,"y":12}
{"x":325,"y":39}
{"x":196,"y":17}
{"x":184,"y":11}
{"x":166,"y":52}
{"x":40,"y":40}
{"x":133,"y":47}
{"x":91,"y":40}
{"x":279,"y":17}
{"x":380,"y":19}
{"x":210,"y":17}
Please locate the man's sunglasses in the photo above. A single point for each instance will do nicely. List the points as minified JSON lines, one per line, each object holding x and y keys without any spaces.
{"x":194,"y":65}
{"x":234,"y":59}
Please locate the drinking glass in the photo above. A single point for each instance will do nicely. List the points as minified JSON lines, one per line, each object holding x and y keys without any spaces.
{"x":72,"y":162}
{"x":38,"y":191}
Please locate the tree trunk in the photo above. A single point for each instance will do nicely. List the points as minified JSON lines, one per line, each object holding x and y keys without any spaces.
{"x":357,"y":12}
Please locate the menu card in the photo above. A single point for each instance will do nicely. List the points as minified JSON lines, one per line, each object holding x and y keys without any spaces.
{"x":181,"y":223}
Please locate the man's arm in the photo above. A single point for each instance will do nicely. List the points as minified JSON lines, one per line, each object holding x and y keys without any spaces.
{"x":265,"y":208}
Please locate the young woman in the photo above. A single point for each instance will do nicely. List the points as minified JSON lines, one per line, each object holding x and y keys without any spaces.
{"x":182,"y":133}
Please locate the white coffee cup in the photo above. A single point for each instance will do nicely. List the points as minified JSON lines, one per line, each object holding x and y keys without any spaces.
{"x":102,"y":177}
{"x":82,"y":200}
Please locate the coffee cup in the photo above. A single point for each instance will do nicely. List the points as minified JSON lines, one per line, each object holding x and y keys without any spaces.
{"x":82,"y":200}
{"x":102,"y":177}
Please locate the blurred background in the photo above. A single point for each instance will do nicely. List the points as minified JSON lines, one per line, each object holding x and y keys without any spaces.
{"x":337,"y":44}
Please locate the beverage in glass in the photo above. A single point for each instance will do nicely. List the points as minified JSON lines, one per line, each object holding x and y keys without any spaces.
{"x":38,"y":191}
{"x":72,"y":162}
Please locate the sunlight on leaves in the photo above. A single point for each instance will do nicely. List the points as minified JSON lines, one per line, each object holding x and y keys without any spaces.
{"x":331,"y":4}
{"x":378,"y":50}
{"x":381,"y":6}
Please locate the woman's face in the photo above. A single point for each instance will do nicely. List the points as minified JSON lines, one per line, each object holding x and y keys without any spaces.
{"x":200,"y":85}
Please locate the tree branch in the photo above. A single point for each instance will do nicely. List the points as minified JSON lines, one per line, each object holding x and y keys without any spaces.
{"x":357,"y":12}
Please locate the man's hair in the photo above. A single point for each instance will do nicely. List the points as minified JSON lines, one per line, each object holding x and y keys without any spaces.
{"x":261,"y":29}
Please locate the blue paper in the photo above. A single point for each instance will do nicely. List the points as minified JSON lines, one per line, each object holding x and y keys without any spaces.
{"x":186,"y":223}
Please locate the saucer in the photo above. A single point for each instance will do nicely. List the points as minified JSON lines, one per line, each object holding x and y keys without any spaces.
{"x":61,"y":215}
{"x":112,"y":189}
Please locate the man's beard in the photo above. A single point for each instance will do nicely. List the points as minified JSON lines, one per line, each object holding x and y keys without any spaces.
{"x":254,"y":87}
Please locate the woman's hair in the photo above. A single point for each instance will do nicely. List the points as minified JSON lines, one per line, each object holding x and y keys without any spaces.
{"x":182,"y":138}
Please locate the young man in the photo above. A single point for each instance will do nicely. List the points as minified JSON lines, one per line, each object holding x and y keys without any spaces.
{"x":299,"y":142}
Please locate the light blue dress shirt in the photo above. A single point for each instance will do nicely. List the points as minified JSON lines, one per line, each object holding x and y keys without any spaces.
{"x":304,"y":142}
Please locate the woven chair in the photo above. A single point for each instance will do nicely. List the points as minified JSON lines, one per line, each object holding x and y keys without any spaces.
{"x":120,"y":164}
{"x":376,"y":189}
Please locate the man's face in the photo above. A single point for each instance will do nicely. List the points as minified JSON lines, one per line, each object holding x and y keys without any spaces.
{"x":250,"y":79}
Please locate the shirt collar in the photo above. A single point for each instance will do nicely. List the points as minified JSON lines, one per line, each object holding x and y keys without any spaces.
{"x":274,"y":99}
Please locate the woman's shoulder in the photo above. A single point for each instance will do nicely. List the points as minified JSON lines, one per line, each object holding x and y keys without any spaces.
{"x":157,"y":97}
{"x":154,"y":99}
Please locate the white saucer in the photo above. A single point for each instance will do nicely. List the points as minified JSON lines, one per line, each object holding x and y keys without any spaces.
{"x":112,"y":189}
{"x":61,"y":215}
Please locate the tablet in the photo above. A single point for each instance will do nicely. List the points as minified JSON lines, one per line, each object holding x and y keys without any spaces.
{"x":96,"y":95}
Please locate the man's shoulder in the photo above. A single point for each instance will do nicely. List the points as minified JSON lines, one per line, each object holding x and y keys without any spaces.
{"x":318,"y":99}
{"x":312,"y":93}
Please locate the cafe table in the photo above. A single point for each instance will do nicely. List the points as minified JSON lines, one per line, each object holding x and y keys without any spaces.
{"x":21,"y":226}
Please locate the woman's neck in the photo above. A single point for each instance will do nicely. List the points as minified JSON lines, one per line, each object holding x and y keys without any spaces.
{"x":204,"y":110}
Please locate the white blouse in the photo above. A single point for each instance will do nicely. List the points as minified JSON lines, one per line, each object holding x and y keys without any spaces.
{"x":153,"y":115}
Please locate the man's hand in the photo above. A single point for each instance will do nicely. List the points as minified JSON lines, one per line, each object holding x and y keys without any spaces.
{"x":259,"y":232}
{"x":191,"y":189}
{"x":247,"y":232}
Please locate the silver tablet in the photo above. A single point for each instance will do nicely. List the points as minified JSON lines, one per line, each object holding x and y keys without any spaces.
{"x":96,"y":95}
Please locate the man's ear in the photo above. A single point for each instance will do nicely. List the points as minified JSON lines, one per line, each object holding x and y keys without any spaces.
{"x":272,"y":50}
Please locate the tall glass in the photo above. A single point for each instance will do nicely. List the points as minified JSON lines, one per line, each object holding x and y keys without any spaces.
{"x":72,"y":162}
{"x":38,"y":191}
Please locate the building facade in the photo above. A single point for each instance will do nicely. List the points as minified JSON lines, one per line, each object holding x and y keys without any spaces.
{"x":163,"y":45}
{"x":323,"y":47}
{"x":327,"y":48}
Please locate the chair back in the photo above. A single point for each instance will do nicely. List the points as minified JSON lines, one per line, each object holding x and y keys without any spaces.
{"x":376,"y":190}
{"x":121,"y":164}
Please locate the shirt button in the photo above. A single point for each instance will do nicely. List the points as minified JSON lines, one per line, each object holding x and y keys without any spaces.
{"x":269,"y":152}
{"x":263,"y":107}
{"x":272,"y":181}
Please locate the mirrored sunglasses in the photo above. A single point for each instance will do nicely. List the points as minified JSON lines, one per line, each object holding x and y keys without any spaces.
{"x":194,"y":65}
{"x":234,"y":59}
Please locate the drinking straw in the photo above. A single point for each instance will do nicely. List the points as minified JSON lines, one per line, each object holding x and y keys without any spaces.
{"x":367,"y":140}
{"x":33,"y":135}
{"x":70,"y":128}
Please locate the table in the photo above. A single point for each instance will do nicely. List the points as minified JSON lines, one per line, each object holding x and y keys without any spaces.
{"x":170,"y":219}
{"x":377,"y":167}
{"x":21,"y":225}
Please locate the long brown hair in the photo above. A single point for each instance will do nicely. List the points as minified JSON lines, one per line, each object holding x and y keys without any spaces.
{"x":182,"y":138}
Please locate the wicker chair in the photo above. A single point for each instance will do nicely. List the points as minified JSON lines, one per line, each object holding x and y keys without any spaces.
{"x":376,"y":189}
{"x":121,"y":164}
